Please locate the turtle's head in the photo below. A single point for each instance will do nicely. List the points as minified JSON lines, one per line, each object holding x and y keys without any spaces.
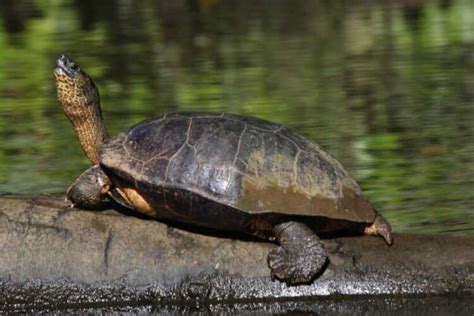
{"x":75,"y":88}
{"x":80,"y":100}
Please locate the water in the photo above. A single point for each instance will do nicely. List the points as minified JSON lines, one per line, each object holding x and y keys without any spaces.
{"x":387,"y":88}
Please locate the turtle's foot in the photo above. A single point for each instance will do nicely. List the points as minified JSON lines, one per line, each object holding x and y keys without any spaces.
{"x":89,"y":189}
{"x":300,"y":256}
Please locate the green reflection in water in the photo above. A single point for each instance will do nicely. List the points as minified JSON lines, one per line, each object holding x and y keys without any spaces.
{"x":388,"y":89}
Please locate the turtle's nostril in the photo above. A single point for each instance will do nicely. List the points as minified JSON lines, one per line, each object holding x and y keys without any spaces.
{"x":64,"y":59}
{"x":66,"y":65}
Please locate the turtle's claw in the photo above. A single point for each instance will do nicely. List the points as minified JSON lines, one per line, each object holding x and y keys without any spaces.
{"x":277,"y":262}
{"x":70,"y":204}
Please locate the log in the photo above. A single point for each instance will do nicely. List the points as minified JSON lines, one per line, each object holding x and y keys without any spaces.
{"x":52,"y":255}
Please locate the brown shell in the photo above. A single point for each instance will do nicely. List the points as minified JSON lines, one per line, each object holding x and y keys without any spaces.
{"x":247,"y":164}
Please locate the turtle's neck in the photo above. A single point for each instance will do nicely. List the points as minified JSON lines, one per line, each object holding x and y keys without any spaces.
{"x":89,"y":127}
{"x":81,"y":104}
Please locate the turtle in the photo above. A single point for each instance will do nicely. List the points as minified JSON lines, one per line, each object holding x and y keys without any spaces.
{"x":226,"y":172}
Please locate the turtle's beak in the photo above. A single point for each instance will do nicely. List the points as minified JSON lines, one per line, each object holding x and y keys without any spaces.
{"x":66,"y":66}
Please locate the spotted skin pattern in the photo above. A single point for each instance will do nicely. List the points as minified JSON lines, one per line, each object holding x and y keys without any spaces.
{"x":81,"y":105}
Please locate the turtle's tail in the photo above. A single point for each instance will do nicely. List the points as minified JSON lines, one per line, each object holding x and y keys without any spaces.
{"x":380,"y":227}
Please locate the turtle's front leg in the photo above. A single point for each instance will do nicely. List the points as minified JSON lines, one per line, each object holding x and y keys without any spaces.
{"x":300,"y":256}
{"x":89,"y":190}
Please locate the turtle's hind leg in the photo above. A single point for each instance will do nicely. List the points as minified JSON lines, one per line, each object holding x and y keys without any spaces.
{"x":380,"y":227}
{"x":300,"y":256}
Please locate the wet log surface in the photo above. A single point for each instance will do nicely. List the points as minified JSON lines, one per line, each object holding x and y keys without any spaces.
{"x":53,"y":256}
